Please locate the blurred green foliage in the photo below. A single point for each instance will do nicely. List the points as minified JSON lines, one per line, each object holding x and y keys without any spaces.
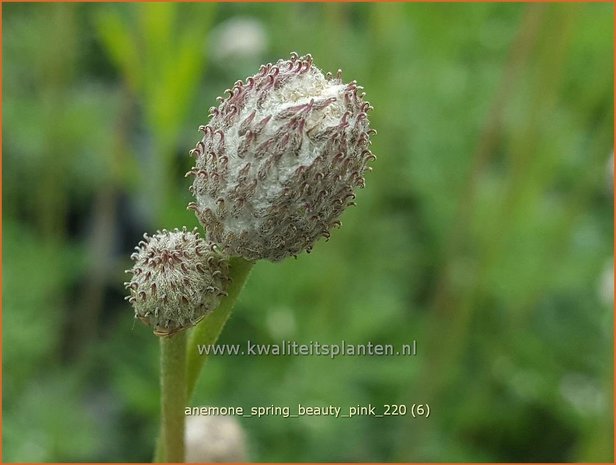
{"x":485,"y":232}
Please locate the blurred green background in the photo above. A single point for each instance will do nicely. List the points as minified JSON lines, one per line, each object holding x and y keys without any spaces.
{"x":485,"y":231}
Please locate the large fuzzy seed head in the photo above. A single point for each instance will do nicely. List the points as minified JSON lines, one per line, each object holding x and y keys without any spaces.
{"x":177,"y":279}
{"x":280,"y":159}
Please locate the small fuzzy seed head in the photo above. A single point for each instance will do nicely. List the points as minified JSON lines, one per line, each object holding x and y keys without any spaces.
{"x":280,"y":159}
{"x":177,"y":279}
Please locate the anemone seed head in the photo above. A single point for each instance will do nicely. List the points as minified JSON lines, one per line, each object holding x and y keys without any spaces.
{"x":177,"y":279}
{"x":280,"y":159}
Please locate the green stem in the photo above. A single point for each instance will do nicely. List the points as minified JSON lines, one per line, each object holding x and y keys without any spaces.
{"x":173,"y":395}
{"x":208,"y":330}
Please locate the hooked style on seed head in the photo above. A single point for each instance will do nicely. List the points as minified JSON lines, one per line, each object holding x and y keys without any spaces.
{"x":177,"y":278}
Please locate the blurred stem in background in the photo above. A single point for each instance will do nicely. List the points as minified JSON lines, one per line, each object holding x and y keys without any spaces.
{"x":58,"y":70}
{"x":453,"y":313}
{"x":57,"y":78}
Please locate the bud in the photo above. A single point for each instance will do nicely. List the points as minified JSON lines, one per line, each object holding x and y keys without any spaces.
{"x":177,"y":279}
{"x":280,"y":159}
{"x":214,"y":439}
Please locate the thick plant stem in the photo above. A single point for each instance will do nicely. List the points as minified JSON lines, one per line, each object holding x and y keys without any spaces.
{"x":208,"y":330}
{"x":173,"y":396}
